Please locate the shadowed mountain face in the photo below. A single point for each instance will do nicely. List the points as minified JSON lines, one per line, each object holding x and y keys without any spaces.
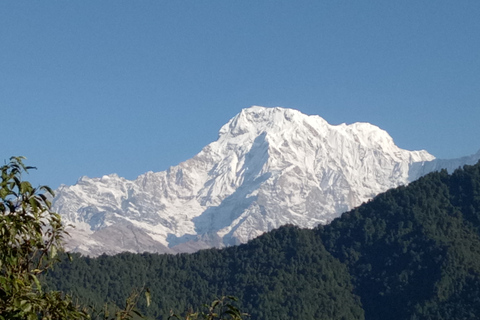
{"x":269,"y":167}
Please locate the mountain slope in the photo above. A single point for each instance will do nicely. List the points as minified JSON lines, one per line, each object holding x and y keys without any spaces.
{"x":410,"y":253}
{"x":414,"y":251}
{"x":269,"y":167}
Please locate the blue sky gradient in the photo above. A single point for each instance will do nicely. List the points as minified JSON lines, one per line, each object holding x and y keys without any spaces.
{"x":99,"y":87}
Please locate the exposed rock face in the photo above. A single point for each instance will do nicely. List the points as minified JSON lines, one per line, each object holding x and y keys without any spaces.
{"x":269,"y":167}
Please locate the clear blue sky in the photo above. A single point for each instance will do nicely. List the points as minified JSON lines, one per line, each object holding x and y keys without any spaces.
{"x":99,"y":87}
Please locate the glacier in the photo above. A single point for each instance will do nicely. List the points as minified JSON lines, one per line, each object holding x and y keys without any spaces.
{"x":269,"y":167}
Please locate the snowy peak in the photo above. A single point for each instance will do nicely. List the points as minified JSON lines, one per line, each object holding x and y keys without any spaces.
{"x":269,"y":167}
{"x":255,"y":120}
{"x":290,"y":124}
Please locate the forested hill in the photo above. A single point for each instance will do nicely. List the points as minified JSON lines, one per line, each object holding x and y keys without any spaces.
{"x":411,"y":253}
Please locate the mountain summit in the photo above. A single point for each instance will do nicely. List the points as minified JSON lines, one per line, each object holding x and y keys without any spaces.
{"x":269,"y":167}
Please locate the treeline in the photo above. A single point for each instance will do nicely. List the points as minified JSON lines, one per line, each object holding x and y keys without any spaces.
{"x":411,"y":253}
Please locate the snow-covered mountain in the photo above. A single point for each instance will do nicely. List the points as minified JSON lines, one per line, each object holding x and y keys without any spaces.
{"x":269,"y":167}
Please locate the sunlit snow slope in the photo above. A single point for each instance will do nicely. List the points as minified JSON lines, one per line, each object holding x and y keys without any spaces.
{"x":269,"y":167}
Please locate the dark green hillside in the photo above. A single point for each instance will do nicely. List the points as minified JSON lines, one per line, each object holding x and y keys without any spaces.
{"x":414,"y":252}
{"x":284,"y":274}
{"x":411,"y":253}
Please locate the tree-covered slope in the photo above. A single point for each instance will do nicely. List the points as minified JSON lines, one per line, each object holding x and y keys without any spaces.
{"x":284,"y":274}
{"x":414,"y":252}
{"x":410,"y":253}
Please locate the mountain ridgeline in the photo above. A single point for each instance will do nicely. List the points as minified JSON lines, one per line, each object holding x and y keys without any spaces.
{"x":269,"y":167}
{"x":412,"y":252}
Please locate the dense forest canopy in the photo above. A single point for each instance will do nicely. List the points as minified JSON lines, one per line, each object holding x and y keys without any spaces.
{"x":410,"y":253}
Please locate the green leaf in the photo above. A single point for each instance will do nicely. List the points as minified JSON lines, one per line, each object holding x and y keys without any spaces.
{"x":53,"y":252}
{"x":33,"y":203}
{"x":137,"y":313}
{"x":25,"y":187}
{"x":37,"y":283}
{"x":48,"y":189}
{"x":147,"y":296}
{"x":27,"y":307}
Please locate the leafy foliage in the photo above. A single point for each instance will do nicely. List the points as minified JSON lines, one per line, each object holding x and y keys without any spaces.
{"x":220,"y":309}
{"x":30,"y":237}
